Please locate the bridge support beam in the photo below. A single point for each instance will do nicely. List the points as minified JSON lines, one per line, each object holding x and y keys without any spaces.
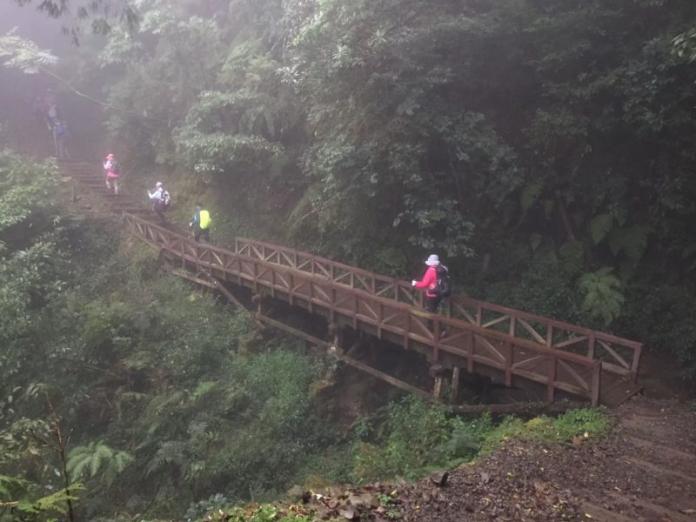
{"x":257,"y":300}
{"x":454,"y":389}
{"x":437,"y":371}
{"x":335,"y":334}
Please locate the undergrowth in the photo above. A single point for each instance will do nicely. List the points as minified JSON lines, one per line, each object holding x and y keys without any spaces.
{"x":412,"y":438}
{"x":416,"y":437}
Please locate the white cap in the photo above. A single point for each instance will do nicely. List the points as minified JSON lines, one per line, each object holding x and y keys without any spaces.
{"x":432,"y":260}
{"x":158,"y":184}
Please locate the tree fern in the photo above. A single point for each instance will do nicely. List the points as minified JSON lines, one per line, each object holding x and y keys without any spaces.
{"x":97,"y":458}
{"x":603,"y":295}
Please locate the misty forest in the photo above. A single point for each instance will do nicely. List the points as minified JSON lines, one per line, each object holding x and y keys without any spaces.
{"x":372,"y":260}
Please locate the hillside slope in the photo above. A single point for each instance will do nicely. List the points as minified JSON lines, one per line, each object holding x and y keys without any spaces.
{"x":644,"y":471}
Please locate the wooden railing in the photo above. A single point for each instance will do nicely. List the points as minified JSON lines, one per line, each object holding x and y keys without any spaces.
{"x":389,"y":307}
{"x":619,"y":356}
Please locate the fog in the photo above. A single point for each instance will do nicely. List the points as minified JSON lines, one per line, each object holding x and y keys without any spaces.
{"x":19,"y":91}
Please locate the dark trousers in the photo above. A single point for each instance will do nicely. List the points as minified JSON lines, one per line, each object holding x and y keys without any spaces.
{"x":159,"y":207}
{"x":432,"y":304}
{"x":199,"y":232}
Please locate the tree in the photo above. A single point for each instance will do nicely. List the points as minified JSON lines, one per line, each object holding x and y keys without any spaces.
{"x":101,"y":14}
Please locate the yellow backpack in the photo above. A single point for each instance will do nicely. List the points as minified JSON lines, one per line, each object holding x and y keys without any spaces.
{"x":204,"y":217}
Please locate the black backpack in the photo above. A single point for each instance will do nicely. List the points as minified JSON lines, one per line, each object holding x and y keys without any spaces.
{"x":443,"y":286}
{"x":116,"y":167}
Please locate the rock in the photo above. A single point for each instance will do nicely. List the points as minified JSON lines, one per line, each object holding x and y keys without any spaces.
{"x":348,"y":513}
{"x":297,"y":493}
{"x":364,"y":499}
{"x":440,"y":478}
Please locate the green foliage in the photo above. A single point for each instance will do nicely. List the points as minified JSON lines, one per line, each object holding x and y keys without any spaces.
{"x":600,"y":226}
{"x":589,"y":424}
{"x":30,"y":485}
{"x":140,"y":361}
{"x":595,"y":423}
{"x":264,"y":513}
{"x":427,"y":154}
{"x":416,"y":437}
{"x":543,"y":284}
{"x":161,"y":66}
{"x":27,"y":190}
{"x":97,"y":458}
{"x":674,"y":334}
{"x":53,"y":504}
{"x":19,"y":53}
{"x":603,"y":294}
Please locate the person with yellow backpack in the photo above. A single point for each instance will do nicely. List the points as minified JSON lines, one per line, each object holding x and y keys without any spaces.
{"x":201,"y":224}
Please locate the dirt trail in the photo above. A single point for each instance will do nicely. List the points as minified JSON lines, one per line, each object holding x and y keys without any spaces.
{"x":645,"y":471}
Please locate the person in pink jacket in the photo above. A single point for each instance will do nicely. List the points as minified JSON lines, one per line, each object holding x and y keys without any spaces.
{"x":429,"y":284}
{"x":112,"y":171}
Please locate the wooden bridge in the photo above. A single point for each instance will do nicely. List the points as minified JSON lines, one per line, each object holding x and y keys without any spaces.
{"x":513,"y":347}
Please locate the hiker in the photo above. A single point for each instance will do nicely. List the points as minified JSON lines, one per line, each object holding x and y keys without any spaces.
{"x":60,"y":135}
{"x":435,"y":282}
{"x":160,"y":200}
{"x":112,"y":172}
{"x":201,"y":224}
{"x":53,"y":118}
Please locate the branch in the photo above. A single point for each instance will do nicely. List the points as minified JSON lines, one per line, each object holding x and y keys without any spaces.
{"x":61,"y":444}
{"x":564,"y":217}
{"x":73,"y":89}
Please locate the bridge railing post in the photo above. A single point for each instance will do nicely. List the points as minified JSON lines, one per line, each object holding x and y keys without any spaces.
{"x":551,"y":384}
{"x":508,"y":354}
{"x":636,"y":362}
{"x":596,"y":383}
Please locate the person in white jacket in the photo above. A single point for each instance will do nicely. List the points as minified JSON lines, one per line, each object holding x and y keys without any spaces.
{"x":160,"y":199}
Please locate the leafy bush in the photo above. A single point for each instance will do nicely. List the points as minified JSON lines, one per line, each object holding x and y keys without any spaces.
{"x":412,"y":437}
{"x":663,"y":316}
{"x":416,"y":437}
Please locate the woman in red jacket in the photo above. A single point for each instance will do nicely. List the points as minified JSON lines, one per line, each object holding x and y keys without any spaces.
{"x":429,"y":283}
